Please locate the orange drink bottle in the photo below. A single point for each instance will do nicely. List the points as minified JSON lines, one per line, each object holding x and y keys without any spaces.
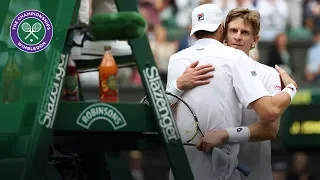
{"x":108,"y":77}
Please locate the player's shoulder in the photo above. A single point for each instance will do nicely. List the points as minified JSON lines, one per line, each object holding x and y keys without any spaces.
{"x":183,"y":54}
{"x":266,"y":70}
{"x":231,"y":56}
{"x":232,"y":53}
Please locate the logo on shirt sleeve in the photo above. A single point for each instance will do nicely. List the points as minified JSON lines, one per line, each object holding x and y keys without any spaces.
{"x":277,"y":87}
{"x":291,"y":89}
{"x":200,"y":17}
{"x":253,"y":73}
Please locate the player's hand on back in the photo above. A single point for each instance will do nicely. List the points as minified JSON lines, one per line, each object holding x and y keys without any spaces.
{"x":212,"y":139}
{"x":195,"y":76}
{"x":285,"y":78}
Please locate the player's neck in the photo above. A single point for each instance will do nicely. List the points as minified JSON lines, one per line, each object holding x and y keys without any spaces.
{"x":215,"y":37}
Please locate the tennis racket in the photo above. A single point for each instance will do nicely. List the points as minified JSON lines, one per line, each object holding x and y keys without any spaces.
{"x":186,"y":119}
{"x":188,"y":124}
{"x":26,"y":27}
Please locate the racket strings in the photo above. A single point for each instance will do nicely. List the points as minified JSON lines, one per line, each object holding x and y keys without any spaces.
{"x":36,"y":27}
{"x":187,"y":112}
{"x":174,"y":108}
{"x":26,"y":27}
{"x":177,"y":104}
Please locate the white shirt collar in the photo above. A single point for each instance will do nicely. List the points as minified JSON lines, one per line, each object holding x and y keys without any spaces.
{"x":207,"y":41}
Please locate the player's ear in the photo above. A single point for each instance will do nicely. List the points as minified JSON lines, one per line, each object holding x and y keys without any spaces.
{"x":221,"y":31}
{"x":255,"y":41}
{"x":224,"y":33}
{"x":225,"y":39}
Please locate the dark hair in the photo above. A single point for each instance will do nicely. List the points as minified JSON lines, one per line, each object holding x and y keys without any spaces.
{"x":202,"y":34}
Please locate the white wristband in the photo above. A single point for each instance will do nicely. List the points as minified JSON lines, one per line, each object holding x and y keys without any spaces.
{"x":238,"y":134}
{"x":291,"y":90}
{"x":173,"y":89}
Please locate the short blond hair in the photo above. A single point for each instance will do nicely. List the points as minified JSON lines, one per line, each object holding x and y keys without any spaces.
{"x":249,"y":16}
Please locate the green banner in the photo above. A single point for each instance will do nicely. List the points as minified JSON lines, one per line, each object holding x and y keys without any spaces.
{"x":300,"y":127}
{"x":32,"y":69}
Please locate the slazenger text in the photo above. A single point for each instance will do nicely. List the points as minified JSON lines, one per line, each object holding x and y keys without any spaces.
{"x":52,"y":93}
{"x":162,"y":109}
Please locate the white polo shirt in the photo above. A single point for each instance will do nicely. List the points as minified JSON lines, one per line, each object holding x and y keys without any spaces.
{"x":218,"y":104}
{"x":257,"y":155}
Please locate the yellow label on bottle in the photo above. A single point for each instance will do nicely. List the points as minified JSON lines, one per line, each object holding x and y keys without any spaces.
{"x":104,"y":86}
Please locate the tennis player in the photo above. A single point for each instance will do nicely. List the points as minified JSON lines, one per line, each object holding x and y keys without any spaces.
{"x":220,"y":107}
{"x":242,"y":29}
{"x":242,"y":32}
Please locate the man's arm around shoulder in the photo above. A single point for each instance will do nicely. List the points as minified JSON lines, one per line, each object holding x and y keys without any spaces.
{"x":263,"y":129}
{"x":252,"y":93}
{"x":272,"y":107}
{"x":267,"y":130}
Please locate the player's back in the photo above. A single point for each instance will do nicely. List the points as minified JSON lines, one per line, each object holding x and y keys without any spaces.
{"x":216,"y":104}
{"x":257,"y":155}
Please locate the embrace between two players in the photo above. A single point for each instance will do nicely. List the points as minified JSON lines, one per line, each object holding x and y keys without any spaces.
{"x":254,"y":108}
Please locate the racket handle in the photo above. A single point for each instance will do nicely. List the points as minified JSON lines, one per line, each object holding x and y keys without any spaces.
{"x":243,"y":169}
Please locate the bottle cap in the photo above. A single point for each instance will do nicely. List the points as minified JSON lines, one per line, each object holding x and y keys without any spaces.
{"x":107,"y":48}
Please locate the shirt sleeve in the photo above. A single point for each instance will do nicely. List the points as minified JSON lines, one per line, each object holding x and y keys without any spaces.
{"x":175,"y":69}
{"x":273,"y":83}
{"x":246,"y":82}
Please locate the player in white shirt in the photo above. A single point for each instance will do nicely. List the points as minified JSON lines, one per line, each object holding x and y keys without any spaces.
{"x":242,"y":32}
{"x":220,"y":107}
{"x":242,"y":29}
